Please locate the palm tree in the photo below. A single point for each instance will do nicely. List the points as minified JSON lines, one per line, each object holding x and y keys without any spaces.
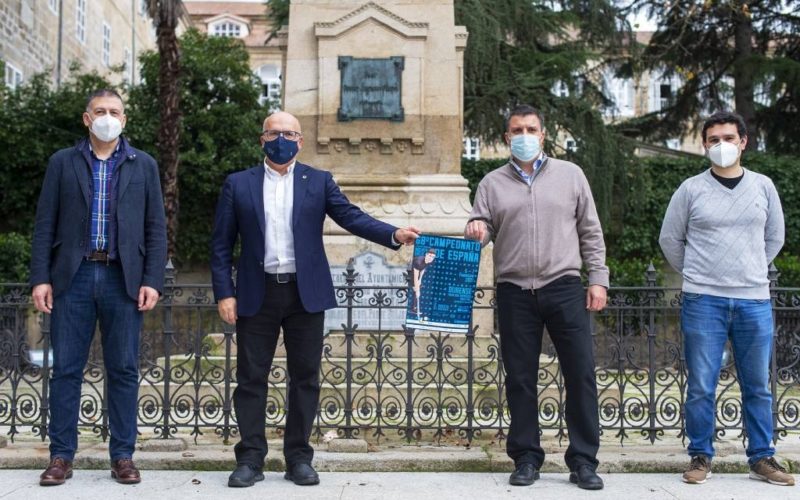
{"x":165,"y":15}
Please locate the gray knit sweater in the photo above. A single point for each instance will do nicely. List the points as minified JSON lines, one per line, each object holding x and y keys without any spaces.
{"x":722,"y":240}
{"x":541,"y":231}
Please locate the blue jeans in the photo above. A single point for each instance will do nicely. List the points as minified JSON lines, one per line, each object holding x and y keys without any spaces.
{"x":707,"y":322}
{"x":97,"y":292}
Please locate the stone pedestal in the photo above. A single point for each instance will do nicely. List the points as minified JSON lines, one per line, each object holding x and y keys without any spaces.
{"x":402,"y":166}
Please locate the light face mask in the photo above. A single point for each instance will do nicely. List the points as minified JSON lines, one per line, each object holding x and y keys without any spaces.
{"x":106,"y":128}
{"x":525,"y":147}
{"x":724,"y":154}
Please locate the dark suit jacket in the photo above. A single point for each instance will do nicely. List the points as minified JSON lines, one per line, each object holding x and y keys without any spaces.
{"x":240,"y":212}
{"x":65,"y":210}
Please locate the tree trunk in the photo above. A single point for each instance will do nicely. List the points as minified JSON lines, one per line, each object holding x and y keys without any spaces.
{"x":168,"y":139}
{"x":743,"y":72}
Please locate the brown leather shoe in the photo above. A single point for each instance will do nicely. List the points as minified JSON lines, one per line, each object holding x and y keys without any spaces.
{"x":57,"y":472}
{"x":125,"y":472}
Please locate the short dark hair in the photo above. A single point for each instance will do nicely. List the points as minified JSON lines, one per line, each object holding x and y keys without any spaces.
{"x":525,"y":110}
{"x":721,"y":117}
{"x":431,"y":250}
{"x":103,"y":93}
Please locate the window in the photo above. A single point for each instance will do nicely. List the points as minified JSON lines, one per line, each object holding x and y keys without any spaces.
{"x":472,"y":148}
{"x":662,"y":91}
{"x":270,"y":77}
{"x":726,"y":90}
{"x":227,"y":28}
{"x":106,"y":44}
{"x":80,"y":21}
{"x":128,"y":60}
{"x":560,"y":89}
{"x":13,"y":77}
{"x":570,"y":145}
{"x":762,"y":92}
{"x":622,"y":92}
{"x":664,"y":95}
{"x":673,"y":143}
{"x":53,"y":4}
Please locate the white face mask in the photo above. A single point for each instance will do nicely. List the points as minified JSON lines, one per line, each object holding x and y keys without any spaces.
{"x":724,"y":154}
{"x":106,"y":128}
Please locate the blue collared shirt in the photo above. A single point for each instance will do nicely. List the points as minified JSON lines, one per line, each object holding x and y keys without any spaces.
{"x":536,"y":164}
{"x":102,"y":226}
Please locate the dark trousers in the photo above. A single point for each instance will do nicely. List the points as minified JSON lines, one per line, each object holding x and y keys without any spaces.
{"x":561,"y":308}
{"x":257,"y":338}
{"x":97,"y":293}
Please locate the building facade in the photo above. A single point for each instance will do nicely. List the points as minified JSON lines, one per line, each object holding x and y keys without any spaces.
{"x":52,"y":36}
{"x":249,"y":21}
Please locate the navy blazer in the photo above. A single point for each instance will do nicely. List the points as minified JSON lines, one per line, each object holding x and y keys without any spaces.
{"x":65,"y":211}
{"x":240,"y":213}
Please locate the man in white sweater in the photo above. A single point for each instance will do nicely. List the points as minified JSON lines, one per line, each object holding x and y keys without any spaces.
{"x":722,"y":229}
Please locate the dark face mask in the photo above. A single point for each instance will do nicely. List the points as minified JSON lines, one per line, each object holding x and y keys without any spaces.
{"x":281,"y":150}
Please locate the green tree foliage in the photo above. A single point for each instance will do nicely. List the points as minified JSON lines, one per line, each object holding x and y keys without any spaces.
{"x":707,"y":44}
{"x":220,"y":127}
{"x":278,"y":13}
{"x":15,"y":254}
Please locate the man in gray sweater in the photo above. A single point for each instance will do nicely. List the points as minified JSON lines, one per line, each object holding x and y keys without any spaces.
{"x":722,"y":229}
{"x":540,"y":213}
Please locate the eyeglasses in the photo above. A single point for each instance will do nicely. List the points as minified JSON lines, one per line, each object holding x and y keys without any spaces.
{"x":290,"y":135}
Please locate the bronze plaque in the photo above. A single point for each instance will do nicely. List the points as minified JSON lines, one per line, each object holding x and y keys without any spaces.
{"x":371,"y":89}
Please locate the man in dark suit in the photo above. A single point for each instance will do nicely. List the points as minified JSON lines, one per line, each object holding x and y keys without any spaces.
{"x":283,"y":281}
{"x":99,"y":252}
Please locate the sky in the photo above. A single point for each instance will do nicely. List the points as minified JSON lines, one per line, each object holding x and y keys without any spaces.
{"x":645,"y":24}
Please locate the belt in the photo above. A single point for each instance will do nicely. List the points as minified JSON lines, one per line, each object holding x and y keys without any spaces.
{"x":281,"y":278}
{"x":98,"y":256}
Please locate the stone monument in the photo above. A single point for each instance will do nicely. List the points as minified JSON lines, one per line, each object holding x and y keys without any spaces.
{"x":378,"y":89}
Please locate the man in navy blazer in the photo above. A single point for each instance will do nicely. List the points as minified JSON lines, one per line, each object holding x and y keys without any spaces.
{"x":99,"y":251}
{"x":277,"y":209}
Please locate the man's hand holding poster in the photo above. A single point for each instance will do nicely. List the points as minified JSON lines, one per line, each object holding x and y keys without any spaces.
{"x":444,"y":273}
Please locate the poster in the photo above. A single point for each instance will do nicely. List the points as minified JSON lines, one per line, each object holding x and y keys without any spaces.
{"x":444,"y":273}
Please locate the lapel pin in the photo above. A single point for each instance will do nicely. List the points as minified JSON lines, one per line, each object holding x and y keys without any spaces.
{"x":305,"y":176}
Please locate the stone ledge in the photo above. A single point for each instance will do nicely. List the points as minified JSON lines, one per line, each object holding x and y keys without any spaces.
{"x":171,"y":444}
{"x":400,"y":458}
{"x":348,"y":446}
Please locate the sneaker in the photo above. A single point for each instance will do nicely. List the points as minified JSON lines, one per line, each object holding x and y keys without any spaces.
{"x":769,"y":470}
{"x":699,"y":470}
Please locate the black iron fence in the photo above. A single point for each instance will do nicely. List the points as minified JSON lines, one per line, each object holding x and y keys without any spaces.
{"x":381,"y":380}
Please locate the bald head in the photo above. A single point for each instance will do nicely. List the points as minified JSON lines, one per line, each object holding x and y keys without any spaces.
{"x":281,"y":120}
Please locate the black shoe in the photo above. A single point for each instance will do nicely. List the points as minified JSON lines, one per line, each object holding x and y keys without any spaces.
{"x":301,"y":474}
{"x":244,"y":475}
{"x":523,"y":475}
{"x":586,"y":478}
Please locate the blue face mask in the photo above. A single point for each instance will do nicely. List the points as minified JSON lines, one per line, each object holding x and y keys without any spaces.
{"x":280,"y":151}
{"x":525,"y":147}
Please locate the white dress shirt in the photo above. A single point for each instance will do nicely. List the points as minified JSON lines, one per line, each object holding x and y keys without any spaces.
{"x":278,"y":204}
